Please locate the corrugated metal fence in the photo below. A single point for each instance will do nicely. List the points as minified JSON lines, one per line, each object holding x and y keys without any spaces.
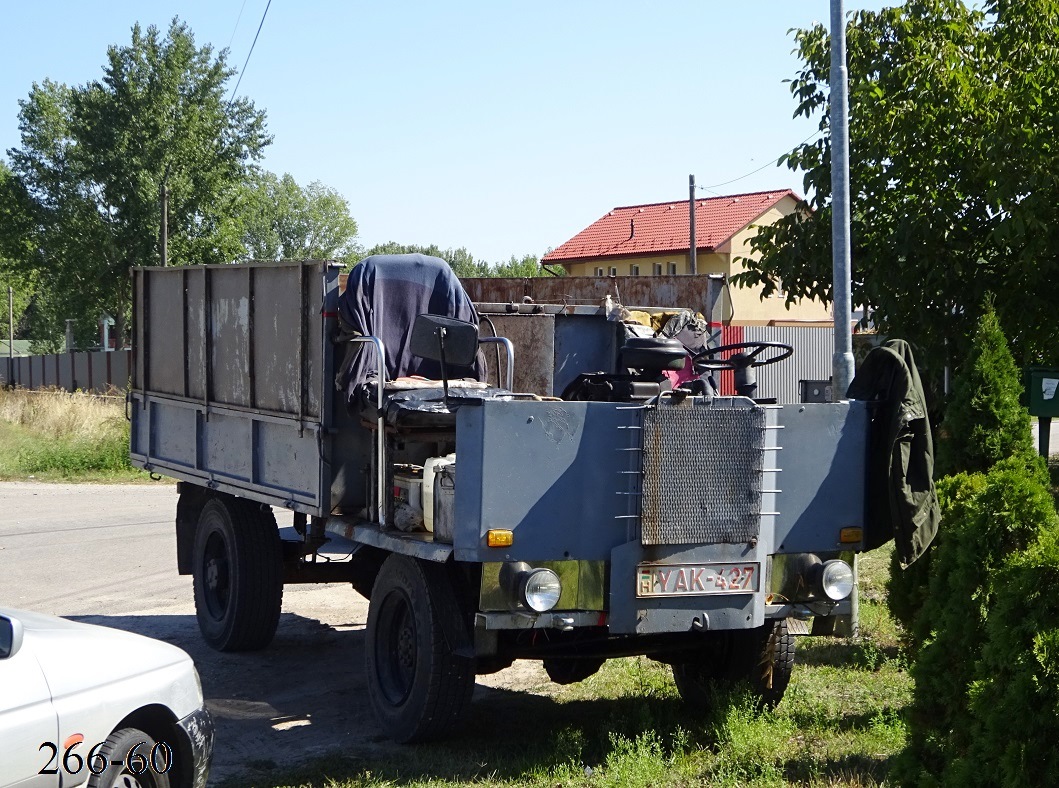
{"x":811,"y":360}
{"x":88,"y":371}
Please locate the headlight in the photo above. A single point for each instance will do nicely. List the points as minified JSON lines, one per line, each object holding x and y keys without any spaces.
{"x":836,"y":580}
{"x":541,"y":590}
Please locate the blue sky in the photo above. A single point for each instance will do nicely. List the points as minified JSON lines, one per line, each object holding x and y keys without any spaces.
{"x":502,"y":127}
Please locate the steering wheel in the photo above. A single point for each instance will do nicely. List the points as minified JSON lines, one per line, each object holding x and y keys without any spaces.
{"x":707,"y":359}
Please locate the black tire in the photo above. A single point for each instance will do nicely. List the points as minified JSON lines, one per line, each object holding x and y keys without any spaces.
{"x":417,"y":686}
{"x":238,"y":574}
{"x":120,"y":773}
{"x":573,"y":669}
{"x":763,"y":657}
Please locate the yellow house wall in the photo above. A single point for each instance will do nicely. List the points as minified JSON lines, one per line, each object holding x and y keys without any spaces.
{"x":706,"y":264}
{"x":748,"y":307}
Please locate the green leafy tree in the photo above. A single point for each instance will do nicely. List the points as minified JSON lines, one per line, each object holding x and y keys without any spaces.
{"x":463,"y":262}
{"x":284,"y":221}
{"x":94,"y":160}
{"x":954,"y":119}
{"x":15,"y":229}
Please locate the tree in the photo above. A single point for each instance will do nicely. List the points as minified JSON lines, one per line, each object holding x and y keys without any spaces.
{"x":95,"y":158}
{"x":15,"y":227}
{"x":283,"y":221}
{"x":463,"y":262}
{"x":954,"y":114}
{"x":985,"y":422}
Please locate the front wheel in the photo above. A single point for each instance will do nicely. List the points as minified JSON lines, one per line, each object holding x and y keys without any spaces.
{"x":238,"y":574}
{"x":132,"y":761}
{"x":763,"y":657}
{"x":417,"y":686}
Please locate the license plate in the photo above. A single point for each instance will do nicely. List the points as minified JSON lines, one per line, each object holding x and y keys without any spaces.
{"x":696,"y":579}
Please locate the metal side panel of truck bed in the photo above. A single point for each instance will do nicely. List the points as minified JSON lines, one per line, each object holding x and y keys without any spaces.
{"x":232,"y":380}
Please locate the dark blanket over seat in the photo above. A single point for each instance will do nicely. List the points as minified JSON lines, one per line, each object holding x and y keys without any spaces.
{"x":384,"y":294}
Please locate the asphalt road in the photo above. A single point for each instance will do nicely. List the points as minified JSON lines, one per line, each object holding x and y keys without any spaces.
{"x":106,"y":554}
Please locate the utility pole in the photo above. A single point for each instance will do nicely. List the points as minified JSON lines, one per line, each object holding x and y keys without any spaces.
{"x":10,"y":336}
{"x":165,"y":220}
{"x":693,"y":262}
{"x":842,"y":360}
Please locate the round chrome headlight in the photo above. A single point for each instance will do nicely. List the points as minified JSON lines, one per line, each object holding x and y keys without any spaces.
{"x":836,"y":580}
{"x":541,"y":590}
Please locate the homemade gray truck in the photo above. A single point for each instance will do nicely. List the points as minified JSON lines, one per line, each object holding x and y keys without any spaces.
{"x":628,"y":518}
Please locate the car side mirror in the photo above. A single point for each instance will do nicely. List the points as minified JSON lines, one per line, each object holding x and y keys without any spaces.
{"x":444,"y":339}
{"x":10,"y":636}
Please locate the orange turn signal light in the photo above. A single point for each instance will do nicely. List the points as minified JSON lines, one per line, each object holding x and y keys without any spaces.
{"x":851,"y":535}
{"x":499,"y":537}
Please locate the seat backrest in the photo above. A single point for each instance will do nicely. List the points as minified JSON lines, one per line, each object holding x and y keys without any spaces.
{"x":383,"y":296}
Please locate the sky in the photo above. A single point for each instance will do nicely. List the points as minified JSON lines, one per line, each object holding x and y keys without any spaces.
{"x":501,"y":127}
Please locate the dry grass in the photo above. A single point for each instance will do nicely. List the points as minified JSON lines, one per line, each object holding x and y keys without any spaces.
{"x":54,"y":413}
{"x":55,"y":434}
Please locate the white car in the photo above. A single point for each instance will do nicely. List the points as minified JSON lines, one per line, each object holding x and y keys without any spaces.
{"x":88,"y":705}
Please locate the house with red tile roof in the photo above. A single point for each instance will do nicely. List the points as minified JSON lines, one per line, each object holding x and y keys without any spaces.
{"x":654,"y":240}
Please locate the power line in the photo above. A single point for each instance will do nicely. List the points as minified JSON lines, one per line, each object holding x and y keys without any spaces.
{"x":759,"y":169}
{"x":237,"y":20}
{"x":248,"y":54}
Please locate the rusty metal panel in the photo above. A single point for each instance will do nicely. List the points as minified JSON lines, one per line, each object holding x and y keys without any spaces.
{"x":534,"y":339}
{"x":691,"y":292}
{"x":811,"y":360}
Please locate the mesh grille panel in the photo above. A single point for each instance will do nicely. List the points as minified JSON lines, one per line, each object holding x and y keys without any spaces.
{"x":702,"y":474}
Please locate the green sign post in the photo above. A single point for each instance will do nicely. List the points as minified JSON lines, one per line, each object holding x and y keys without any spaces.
{"x":1042,"y":384}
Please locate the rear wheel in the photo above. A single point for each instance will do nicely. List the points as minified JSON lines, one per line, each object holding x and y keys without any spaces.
{"x":763,"y":657}
{"x":238,"y":574}
{"x":418,"y":687}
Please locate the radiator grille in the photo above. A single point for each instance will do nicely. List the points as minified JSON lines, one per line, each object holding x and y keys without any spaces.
{"x":702,"y":473}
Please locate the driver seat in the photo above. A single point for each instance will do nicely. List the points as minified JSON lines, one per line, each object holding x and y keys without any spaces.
{"x":384,"y":294}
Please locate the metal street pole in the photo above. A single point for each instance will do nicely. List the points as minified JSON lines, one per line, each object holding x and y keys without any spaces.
{"x":842,"y":360}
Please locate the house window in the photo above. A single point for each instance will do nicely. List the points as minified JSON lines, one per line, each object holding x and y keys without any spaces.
{"x":672,"y":269}
{"x":658,"y":269}
{"x":634,"y":270}
{"x":599,"y":272}
{"x":613,"y":271}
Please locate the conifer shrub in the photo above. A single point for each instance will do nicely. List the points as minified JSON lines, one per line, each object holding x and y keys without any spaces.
{"x":984,"y":420}
{"x":993,"y":519}
{"x":1015,"y":699}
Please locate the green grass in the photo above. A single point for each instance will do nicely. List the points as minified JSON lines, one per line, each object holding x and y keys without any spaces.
{"x":840,"y":724}
{"x":55,"y":436}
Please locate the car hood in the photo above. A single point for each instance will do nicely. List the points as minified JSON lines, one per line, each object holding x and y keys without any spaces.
{"x":70,"y":652}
